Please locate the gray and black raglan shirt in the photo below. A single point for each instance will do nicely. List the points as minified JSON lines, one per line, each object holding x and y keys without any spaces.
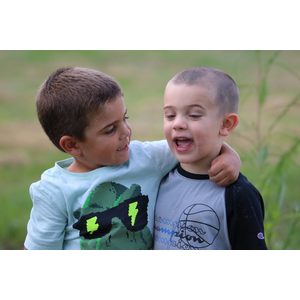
{"x":193,"y":213}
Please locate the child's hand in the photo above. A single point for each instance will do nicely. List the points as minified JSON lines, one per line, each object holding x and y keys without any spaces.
{"x":226,"y":167}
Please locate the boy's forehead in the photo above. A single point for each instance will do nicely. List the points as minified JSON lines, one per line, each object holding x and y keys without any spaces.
{"x":196,"y":91}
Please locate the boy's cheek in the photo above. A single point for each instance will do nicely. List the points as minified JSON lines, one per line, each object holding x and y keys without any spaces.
{"x":167,"y":132}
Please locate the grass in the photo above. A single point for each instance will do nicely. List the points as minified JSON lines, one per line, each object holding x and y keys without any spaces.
{"x":267,"y":89}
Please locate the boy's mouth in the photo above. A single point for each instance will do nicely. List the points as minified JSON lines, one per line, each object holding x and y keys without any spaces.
{"x":123,"y":149}
{"x":183,"y":144}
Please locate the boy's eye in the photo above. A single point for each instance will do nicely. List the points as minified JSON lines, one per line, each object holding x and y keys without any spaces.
{"x":125,"y":118}
{"x":194,"y":116}
{"x":112,"y":130}
{"x":169,"y":116}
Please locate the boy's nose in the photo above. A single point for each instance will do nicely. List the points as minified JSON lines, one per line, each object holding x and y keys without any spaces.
{"x":179,"y":123}
{"x":126,"y":131}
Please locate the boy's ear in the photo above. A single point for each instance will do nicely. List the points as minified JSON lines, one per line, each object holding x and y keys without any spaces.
{"x":70,"y":145}
{"x":229,"y":123}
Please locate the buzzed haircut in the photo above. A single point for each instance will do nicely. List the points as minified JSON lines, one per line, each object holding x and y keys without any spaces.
{"x":224,"y":87}
{"x":69,"y":98}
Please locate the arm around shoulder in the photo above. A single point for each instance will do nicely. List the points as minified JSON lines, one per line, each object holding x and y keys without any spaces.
{"x":160,"y":156}
{"x":225,"y":168}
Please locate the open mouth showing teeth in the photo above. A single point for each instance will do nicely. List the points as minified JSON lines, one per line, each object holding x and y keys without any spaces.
{"x":122,"y":148}
{"x":183,"y":142}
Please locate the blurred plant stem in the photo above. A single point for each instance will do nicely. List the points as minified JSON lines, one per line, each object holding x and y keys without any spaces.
{"x":272,"y":176}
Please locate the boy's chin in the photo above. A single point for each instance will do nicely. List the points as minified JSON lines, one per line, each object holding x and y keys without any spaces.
{"x":183,"y":158}
{"x":125,"y":159}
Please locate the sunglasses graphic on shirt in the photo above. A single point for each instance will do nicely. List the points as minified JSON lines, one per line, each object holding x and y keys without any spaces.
{"x":132,"y":212}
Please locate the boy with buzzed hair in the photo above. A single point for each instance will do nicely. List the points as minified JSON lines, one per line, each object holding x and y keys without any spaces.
{"x":193,"y":213}
{"x":104,"y":196}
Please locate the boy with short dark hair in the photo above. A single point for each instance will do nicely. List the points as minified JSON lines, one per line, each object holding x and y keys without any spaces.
{"x":104,"y":196}
{"x":193,"y":213}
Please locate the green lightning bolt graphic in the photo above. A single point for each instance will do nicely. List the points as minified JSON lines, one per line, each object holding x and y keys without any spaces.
{"x":91,"y":225}
{"x":132,"y":212}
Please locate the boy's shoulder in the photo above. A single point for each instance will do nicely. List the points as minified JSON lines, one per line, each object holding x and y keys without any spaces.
{"x":241,"y":185}
{"x":57,"y":183}
{"x":52,"y":178}
{"x":58,"y":170}
{"x":242,"y":193}
{"x":245,"y":215}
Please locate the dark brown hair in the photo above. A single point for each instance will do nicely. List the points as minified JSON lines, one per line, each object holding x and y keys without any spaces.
{"x":69,"y":98}
{"x":224,"y":87}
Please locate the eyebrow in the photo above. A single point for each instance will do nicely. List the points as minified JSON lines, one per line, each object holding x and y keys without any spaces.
{"x":112,"y":123}
{"x":192,"y":105}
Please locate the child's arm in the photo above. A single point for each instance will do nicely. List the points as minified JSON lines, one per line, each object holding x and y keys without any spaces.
{"x":47,"y":223}
{"x":226,"y":167}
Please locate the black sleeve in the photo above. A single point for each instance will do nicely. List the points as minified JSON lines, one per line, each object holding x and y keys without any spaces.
{"x":245,"y":216}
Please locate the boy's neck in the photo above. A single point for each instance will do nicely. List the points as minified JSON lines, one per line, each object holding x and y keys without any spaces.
{"x":203,"y":165}
{"x":196,"y":168}
{"x":78,"y":167}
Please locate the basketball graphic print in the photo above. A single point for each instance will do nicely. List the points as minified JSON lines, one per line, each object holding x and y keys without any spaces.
{"x":197,"y":227}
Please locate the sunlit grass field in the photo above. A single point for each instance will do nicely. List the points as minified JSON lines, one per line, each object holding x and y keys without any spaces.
{"x":267,"y":138}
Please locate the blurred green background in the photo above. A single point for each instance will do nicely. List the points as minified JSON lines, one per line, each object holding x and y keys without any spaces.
{"x":267,"y":138}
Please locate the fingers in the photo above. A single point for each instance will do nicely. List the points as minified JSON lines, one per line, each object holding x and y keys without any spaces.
{"x":223,"y":178}
{"x":224,"y":172}
{"x":220,"y":180}
{"x":217,"y":167}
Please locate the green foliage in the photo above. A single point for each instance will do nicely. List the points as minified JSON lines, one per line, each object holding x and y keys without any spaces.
{"x":271,"y":173}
